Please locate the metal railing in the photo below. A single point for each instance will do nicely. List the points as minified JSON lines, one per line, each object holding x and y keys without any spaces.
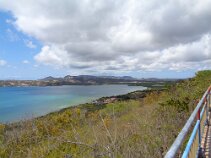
{"x":193,"y":147}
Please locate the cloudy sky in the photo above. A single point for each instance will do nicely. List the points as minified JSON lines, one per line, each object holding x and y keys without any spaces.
{"x":141,"y":38}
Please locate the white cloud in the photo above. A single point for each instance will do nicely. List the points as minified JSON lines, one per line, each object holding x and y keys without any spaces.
{"x":117,"y":35}
{"x":29,"y":44}
{"x":55,"y":56}
{"x":25,"y":62}
{"x":2,"y":62}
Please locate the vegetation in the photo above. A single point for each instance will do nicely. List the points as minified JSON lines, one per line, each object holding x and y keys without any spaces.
{"x":139,"y":127}
{"x":164,"y":84}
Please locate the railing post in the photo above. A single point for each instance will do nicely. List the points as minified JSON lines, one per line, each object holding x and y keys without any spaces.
{"x":199,"y":130}
{"x":207,"y":109}
{"x":208,"y":99}
{"x":200,"y":153}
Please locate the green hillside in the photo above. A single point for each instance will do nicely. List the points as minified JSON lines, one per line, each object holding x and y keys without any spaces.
{"x":140,"y":127}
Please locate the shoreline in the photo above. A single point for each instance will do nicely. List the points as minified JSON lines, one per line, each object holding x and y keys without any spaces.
{"x":25,"y":86}
{"x":92,"y":105}
{"x":41,"y":100}
{"x":100,"y":103}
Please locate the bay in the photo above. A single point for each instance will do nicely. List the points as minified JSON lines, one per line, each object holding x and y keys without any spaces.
{"x":18,"y":103}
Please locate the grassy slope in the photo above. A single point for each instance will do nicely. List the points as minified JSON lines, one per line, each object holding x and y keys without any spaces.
{"x":134,"y":128}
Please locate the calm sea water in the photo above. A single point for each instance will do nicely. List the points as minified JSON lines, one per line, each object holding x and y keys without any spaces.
{"x":18,"y":103}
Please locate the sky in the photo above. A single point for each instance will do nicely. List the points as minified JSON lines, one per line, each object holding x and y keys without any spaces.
{"x":139,"y":38}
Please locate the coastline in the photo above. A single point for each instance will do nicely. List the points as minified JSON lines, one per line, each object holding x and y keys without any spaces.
{"x":100,"y":103}
{"x":94,"y":105}
{"x":39,"y":101}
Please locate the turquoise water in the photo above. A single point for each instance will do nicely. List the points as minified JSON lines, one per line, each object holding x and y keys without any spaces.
{"x":18,"y":103}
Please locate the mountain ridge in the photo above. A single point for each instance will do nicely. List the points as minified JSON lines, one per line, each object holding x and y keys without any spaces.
{"x":82,"y":80}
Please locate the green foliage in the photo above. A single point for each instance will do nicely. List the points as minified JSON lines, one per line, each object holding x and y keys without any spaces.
{"x":184,"y":95}
{"x":121,"y":107}
{"x":181,"y":105}
{"x":154,"y":84}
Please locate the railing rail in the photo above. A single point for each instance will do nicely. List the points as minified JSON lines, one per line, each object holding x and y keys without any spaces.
{"x":193,"y":136}
{"x":192,"y":143}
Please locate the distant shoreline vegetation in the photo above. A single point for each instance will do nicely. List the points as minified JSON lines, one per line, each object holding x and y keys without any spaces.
{"x":89,"y":80}
{"x":154,"y":84}
{"x":101,"y":102}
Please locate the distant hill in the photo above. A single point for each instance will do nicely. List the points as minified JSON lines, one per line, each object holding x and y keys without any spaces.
{"x":85,"y":80}
{"x":88,"y":77}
